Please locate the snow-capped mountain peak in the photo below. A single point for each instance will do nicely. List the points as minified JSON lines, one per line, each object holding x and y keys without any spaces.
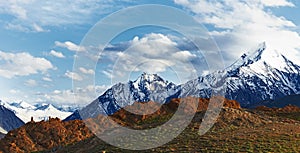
{"x":147,"y":87}
{"x":262,"y":61}
{"x":255,"y":54}
{"x":250,"y":57}
{"x":280,"y":62}
{"x":149,"y":82}
{"x":270,"y":60}
{"x":43,"y":106}
{"x":23,"y":105}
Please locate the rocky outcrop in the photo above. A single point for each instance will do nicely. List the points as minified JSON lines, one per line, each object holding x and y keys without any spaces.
{"x":44,"y":135}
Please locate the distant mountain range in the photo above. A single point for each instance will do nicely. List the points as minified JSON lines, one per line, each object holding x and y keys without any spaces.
{"x":39,"y":112}
{"x":260,"y":75}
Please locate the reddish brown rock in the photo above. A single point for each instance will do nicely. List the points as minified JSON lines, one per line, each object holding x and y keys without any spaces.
{"x":286,"y":109}
{"x":44,"y":135}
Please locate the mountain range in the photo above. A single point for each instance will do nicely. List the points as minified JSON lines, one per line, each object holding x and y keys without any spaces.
{"x":41,"y":111}
{"x":256,"y":76}
{"x":259,"y":75}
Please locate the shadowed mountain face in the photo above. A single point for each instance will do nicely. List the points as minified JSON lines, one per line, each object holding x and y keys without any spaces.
{"x":8,"y":119}
{"x":2,"y":135}
{"x":286,"y":109}
{"x":281,"y":102}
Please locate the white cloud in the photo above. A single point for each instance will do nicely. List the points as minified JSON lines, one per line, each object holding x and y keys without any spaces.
{"x":85,"y":95}
{"x":38,"y":28}
{"x":234,"y":13}
{"x":16,"y":27}
{"x":153,"y":53}
{"x":35,"y":15}
{"x":74,"y":76}
{"x":243,"y":24}
{"x":277,"y":3}
{"x":108,"y":73}
{"x":22,"y":64}
{"x":86,"y":71}
{"x":57,"y":54}
{"x":70,"y":46}
{"x":18,"y":11}
{"x":14,"y":91}
{"x":31,"y":83}
{"x":183,"y":55}
{"x":47,"y":79}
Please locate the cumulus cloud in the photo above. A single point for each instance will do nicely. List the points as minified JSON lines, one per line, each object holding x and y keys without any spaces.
{"x":86,"y":71}
{"x":31,"y":83}
{"x":38,"y":28}
{"x":22,"y":64}
{"x":47,"y":79}
{"x":70,"y":46}
{"x":74,"y":76}
{"x":85,"y":95}
{"x":152,"y":53}
{"x":240,"y":25}
{"x":57,"y":54}
{"x":14,"y":91}
{"x":79,"y":74}
{"x":277,"y":3}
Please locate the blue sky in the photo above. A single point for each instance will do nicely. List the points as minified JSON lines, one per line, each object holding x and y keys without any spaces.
{"x":39,"y":40}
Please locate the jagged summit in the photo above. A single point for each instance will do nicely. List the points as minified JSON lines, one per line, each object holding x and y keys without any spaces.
{"x":256,"y":54}
{"x":149,"y":77}
{"x":260,"y":53}
{"x":23,"y":105}
{"x":262,"y":60}
{"x":149,"y":82}
{"x":250,"y":57}
{"x":267,"y":60}
{"x":45,"y":106}
{"x":258,"y":75}
{"x":147,"y":87}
